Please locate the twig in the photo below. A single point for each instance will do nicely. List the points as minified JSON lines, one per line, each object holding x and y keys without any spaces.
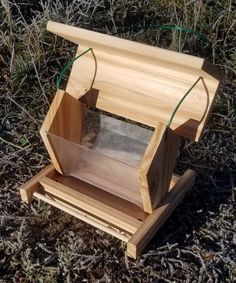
{"x":45,"y":249}
{"x":10,"y":156}
{"x":10,"y":143}
{"x":23,"y":109}
{"x":39,"y":81}
{"x":18,"y":217}
{"x":204,"y":266}
{"x":12,"y":58}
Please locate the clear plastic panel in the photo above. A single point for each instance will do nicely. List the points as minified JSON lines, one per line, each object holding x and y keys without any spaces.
{"x":115,"y":138}
{"x":108,"y":156}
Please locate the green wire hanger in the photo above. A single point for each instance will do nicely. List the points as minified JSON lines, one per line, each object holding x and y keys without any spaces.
{"x":200,"y":35}
{"x":181,"y":100}
{"x":67,"y":66}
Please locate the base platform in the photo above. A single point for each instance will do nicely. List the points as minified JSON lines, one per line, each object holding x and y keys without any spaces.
{"x":116,"y":216}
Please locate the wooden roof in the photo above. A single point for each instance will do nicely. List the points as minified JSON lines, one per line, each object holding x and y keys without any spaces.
{"x":141,"y":82}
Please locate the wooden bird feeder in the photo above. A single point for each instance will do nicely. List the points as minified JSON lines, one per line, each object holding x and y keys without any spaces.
{"x":114,"y":174}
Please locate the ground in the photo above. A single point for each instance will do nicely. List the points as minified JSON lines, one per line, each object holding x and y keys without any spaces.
{"x":38,"y":243}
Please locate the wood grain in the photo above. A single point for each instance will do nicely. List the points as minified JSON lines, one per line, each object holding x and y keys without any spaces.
{"x":27,"y":190}
{"x":144,"y":92}
{"x":83,"y":216}
{"x":65,"y":119}
{"x":156,"y":219}
{"x":107,"y":198}
{"x":141,"y":82}
{"x":129,"y":48}
{"x":91,"y":205}
{"x":155,"y":171}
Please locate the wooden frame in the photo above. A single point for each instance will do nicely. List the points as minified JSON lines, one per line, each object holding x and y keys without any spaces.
{"x":106,"y":212}
{"x":144,"y":84}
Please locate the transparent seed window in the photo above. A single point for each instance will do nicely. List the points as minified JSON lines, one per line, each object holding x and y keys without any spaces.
{"x":108,"y":156}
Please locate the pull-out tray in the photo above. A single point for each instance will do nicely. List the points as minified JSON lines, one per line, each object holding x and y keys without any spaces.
{"x":103,"y":210}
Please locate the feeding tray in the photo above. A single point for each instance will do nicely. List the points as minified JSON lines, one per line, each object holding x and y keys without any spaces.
{"x":113,"y":134}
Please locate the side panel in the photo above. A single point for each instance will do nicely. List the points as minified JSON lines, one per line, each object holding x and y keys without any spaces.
{"x":65,"y":119}
{"x":157,"y":166}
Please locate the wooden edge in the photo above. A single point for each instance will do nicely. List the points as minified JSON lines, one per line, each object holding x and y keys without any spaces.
{"x":155,"y":220}
{"x":83,"y":216}
{"x":146,"y":163}
{"x":211,"y":69}
{"x":155,"y":171}
{"x":116,"y":45}
{"x":27,"y":190}
{"x":81,"y":201}
{"x":64,"y":119}
{"x":203,"y":124}
{"x":174,"y":179}
{"x":46,"y":126}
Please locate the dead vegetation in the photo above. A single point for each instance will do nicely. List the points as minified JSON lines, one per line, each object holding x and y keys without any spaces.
{"x":40,"y":244}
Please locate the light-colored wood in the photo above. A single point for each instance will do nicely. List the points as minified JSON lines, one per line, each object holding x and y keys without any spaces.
{"x":62,"y":192}
{"x":143,"y":92}
{"x":155,"y":220}
{"x":83,"y":216}
{"x":103,"y":196}
{"x":141,"y":82}
{"x":65,"y":119}
{"x":47,"y":124}
{"x":82,"y":201}
{"x":87,"y":189}
{"x":27,"y":190}
{"x":134,"y":81}
{"x":127,"y":48}
{"x":157,"y":165}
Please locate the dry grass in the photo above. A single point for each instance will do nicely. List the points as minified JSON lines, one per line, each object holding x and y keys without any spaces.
{"x":41,"y":244}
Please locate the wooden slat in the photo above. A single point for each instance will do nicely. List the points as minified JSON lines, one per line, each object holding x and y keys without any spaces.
{"x":155,"y":220}
{"x":99,"y":209}
{"x":83,"y":216}
{"x":157,"y":165}
{"x":27,"y":190}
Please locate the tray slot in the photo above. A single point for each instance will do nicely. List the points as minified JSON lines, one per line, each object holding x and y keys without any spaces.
{"x":83,"y":216}
{"x":99,"y":209}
